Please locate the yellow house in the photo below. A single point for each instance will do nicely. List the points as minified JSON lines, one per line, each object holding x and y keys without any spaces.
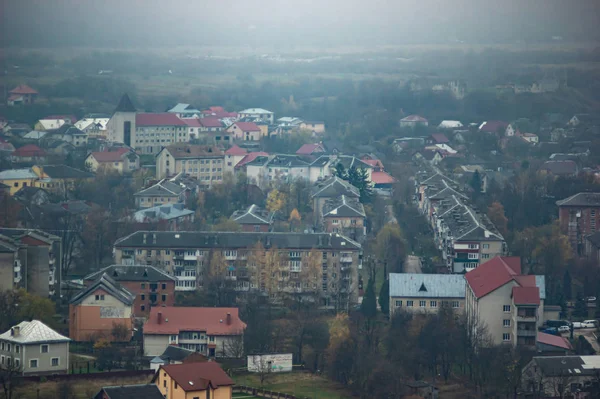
{"x":193,"y":381}
{"x":18,"y":178}
{"x":120,"y":160}
{"x":58,"y":177}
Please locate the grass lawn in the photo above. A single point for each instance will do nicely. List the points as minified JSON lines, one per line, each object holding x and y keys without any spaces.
{"x":83,"y":389}
{"x":301,"y":384}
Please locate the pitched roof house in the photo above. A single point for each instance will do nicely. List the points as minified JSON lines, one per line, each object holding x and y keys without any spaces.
{"x":142,"y":391}
{"x":426,"y":293}
{"x":193,"y":380}
{"x":254,"y":218}
{"x":310,"y":149}
{"x":161,"y":193}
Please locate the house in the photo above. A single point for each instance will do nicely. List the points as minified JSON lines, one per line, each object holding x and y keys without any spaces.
{"x":560,"y":376}
{"x":265,"y":171}
{"x":249,"y":157}
{"x":157,"y":130}
{"x":344,"y":215}
{"x":219,"y":113}
{"x":204,"y":162}
{"x":508,"y":303}
{"x":69,"y":134}
{"x":32,"y":196}
{"x":193,"y":380}
{"x":93,"y":126}
{"x":316,"y":127}
{"x":413,"y":121}
{"x":553,"y":345}
{"x":254,"y":218}
{"x":176,"y":355}
{"x":35,"y":348}
{"x":22,"y":95}
{"x":579,"y":216}
{"x":382,"y":181}
{"x":34,"y":135}
{"x":326,"y":165}
{"x":493,"y":127}
{"x":289,"y":121}
{"x":173,"y":216}
{"x":150,"y":286}
{"x":333,"y":187}
{"x":437,"y":138}
{"x":185,"y":111}
{"x":59,"y":178}
{"x":187,"y":252}
{"x":98,"y":309}
{"x":583,"y":119}
{"x":232,"y":157}
{"x":121,"y":160}
{"x":560,"y":168}
{"x":209,"y":331}
{"x":530,"y":138}
{"x":162,"y":193}
{"x":311,"y":149}
{"x":257,"y":114}
{"x":29,"y":153}
{"x":434,"y":157}
{"x":592,"y":246}
{"x":121,"y":126}
{"x":48,"y":124}
{"x":210,"y":125}
{"x":448,"y":124}
{"x":18,"y":178}
{"x":141,"y":391}
{"x":426,"y":293}
{"x":16,"y":129}
{"x":246,"y":131}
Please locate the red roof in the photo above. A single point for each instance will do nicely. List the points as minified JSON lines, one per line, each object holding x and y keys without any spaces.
{"x":494,"y":274}
{"x":526,"y":295}
{"x":236,"y":150}
{"x":247,"y":126}
{"x":216,"y":109}
{"x":308,"y":149}
{"x":23,"y":89}
{"x":414,"y":118}
{"x":192,"y":122}
{"x":440,"y":138}
{"x":176,"y":319}
{"x":382,"y":178}
{"x":554,"y":340}
{"x":29,"y":150}
{"x":210,"y":122}
{"x":159,"y":119}
{"x":493,"y":126}
{"x":110,"y":156}
{"x":33,"y":241}
{"x":251,"y":157}
{"x":197,"y":376}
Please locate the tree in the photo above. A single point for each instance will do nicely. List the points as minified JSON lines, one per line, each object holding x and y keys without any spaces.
{"x":216,"y":282}
{"x":496,"y":214}
{"x":226,"y":224}
{"x":340,"y":171}
{"x":262,"y":367}
{"x":10,"y":379}
{"x":390,"y":247}
{"x":384,"y":297}
{"x":97,"y":238}
{"x":476,"y":185}
{"x":275,"y":200}
{"x":120,"y":332}
{"x":294,"y":219}
{"x":234,"y":345}
{"x":368,"y":307}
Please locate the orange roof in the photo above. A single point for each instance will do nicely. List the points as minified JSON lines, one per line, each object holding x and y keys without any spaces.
{"x":247,"y":126}
{"x":23,"y":89}
{"x":495,"y":273}
{"x":382,"y":178}
{"x":196,"y":376}
{"x":176,"y":319}
{"x":236,"y":150}
{"x":110,"y":156}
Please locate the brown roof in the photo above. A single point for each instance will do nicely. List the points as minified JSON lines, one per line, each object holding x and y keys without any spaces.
{"x":110,"y":156}
{"x":160,"y":119}
{"x":29,"y":150}
{"x":176,"y":319}
{"x":494,"y":274}
{"x":197,"y":376}
{"x":23,"y":89}
{"x":554,"y":340}
{"x":180,"y":151}
{"x":526,"y":295}
{"x":247,"y":126}
{"x":210,"y":122}
{"x":236,"y":150}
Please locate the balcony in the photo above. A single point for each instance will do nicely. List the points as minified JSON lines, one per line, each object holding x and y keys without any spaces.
{"x":231,"y":257}
{"x":526,"y":333}
{"x":190,"y":257}
{"x":346,"y":259}
{"x":186,"y":278}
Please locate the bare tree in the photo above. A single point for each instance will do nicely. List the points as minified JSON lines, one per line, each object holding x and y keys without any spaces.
{"x":234,"y":346}
{"x":10,"y":378}
{"x":262,"y":367}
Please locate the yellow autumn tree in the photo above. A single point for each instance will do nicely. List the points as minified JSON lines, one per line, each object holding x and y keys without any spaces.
{"x":271,"y":271}
{"x":311,"y":273}
{"x":256,"y":265}
{"x":275,"y":200}
{"x":294,"y":219}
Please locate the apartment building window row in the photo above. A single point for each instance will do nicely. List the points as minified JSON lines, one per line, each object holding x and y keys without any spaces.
{"x":506,"y":308}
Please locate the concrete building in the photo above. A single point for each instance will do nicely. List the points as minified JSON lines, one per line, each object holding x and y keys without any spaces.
{"x":165,"y":192}
{"x":35,"y":348}
{"x":254,"y":219}
{"x":344,"y":215}
{"x":258,"y":115}
{"x":155,"y":131}
{"x":426,"y":293}
{"x":264,"y":171}
{"x":208,"y":331}
{"x":205,"y":163}
{"x":121,"y":125}
{"x":579,"y":216}
{"x":328,"y":189}
{"x":121,"y":160}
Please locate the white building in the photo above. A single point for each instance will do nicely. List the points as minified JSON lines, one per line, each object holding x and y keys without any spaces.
{"x":257,"y":115}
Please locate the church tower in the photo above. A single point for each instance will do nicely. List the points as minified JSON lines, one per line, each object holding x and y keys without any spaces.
{"x":121,"y":126}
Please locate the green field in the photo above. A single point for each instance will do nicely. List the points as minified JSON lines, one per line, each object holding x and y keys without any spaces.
{"x":300,"y":384}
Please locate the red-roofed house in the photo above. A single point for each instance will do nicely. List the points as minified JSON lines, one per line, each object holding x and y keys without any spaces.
{"x":311,"y":149}
{"x":232,"y":156}
{"x":412,"y":121}
{"x":251,"y":156}
{"x":121,"y":160}
{"x":210,"y":331}
{"x":553,"y":345}
{"x":210,"y":124}
{"x":205,"y":380}
{"x":247,"y":131}
{"x":28,"y":153}
{"x":495,"y":127}
{"x":382,"y":180}
{"x":22,"y":95}
{"x":509,"y":304}
{"x":438,"y":138}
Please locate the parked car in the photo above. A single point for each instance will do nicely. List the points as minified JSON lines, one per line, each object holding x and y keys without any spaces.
{"x":577,"y":324}
{"x":563,"y":329}
{"x":591,"y":323}
{"x":551,"y":330}
{"x":557,"y":323}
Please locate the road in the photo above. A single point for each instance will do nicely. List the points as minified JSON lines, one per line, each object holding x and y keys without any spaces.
{"x":588,"y":333}
{"x":412,"y":264}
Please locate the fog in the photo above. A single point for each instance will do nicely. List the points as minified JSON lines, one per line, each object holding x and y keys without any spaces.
{"x":285,"y":23}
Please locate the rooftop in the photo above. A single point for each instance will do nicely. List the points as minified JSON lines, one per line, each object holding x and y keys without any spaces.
{"x":581,"y":200}
{"x":112,"y":155}
{"x":564,"y":366}
{"x":23,"y":89}
{"x":247,"y":126}
{"x":253,"y":215}
{"x":560,"y":167}
{"x":427,"y":285}
{"x":171,"y":320}
{"x":343,"y":206}
{"x":158,"y":119}
{"x":31,"y":332}
{"x":108,"y":285}
{"x":255,"y":111}
{"x":413,"y":118}
{"x":184,"y":151}
{"x":333,"y":187}
{"x":145,"y":391}
{"x":309,"y":149}
{"x":131,"y":273}
{"x":162,"y":188}
{"x":197,"y":376}
{"x":554,"y":340}
{"x":25,"y":173}
{"x":63,"y":172}
{"x":182,"y":108}
{"x":125,"y":104}
{"x":236,"y":150}
{"x":162,"y":212}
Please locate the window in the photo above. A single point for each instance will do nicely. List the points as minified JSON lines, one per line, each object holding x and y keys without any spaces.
{"x":422,"y":303}
{"x":8,"y":347}
{"x":455,"y":304}
{"x":2,"y":346}
{"x":398,"y":304}
{"x":2,"y":359}
{"x":43,"y":348}
{"x":506,"y":308}
{"x":593,"y":213}
{"x":433,"y":304}
{"x":175,"y":385}
{"x":473,"y":246}
{"x":17,"y":349}
{"x":17,"y":362}
{"x":485,"y":256}
{"x":473,"y":256}
{"x":143,"y":308}
{"x":335,"y":221}
{"x":167,"y":252}
{"x":143,"y":297}
{"x":164,"y":286}
{"x":409,"y":304}
{"x":33,"y":363}
{"x":505,"y":337}
{"x":173,"y":338}
{"x":55,"y":361}
{"x":164,"y":298}
{"x":212,"y":338}
{"x":486,"y":246}
{"x":164,"y":383}
{"x":506,"y":323}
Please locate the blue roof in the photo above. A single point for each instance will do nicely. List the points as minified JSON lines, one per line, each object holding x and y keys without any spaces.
{"x":427,"y":285}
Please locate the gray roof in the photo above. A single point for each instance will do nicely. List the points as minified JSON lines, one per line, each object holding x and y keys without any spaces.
{"x":125,"y":104}
{"x":255,"y":111}
{"x":31,"y":332}
{"x":286,"y":161}
{"x":253,"y":215}
{"x":110,"y":286}
{"x":65,"y":172}
{"x":25,"y":173}
{"x":162,"y":212}
{"x":564,"y":366}
{"x":176,"y":353}
{"x":213,"y":239}
{"x":164,"y":188}
{"x":132,"y":273}
{"x":334,"y":187}
{"x":348,"y":161}
{"x":427,"y":285}
{"x":142,"y":391}
{"x":35,"y":233}
{"x":181,"y":107}
{"x":343,"y":206}
{"x":581,"y":199}
{"x":467,"y":224}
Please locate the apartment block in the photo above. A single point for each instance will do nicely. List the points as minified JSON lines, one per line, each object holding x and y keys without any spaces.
{"x":205,"y":163}
{"x":579,"y":216}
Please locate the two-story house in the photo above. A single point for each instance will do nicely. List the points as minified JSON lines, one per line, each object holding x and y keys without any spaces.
{"x":196,"y":380}
{"x":34,"y":349}
{"x":257,"y":115}
{"x":245,"y":131}
{"x":330,"y":189}
{"x":579,"y":216}
{"x":121,"y":160}
{"x":344,"y":215}
{"x":59,"y":179}
{"x":205,"y":163}
{"x":426,"y":293}
{"x":254,"y":218}
{"x":209,"y":331}
{"x":164,"y":192}
{"x":150,"y":285}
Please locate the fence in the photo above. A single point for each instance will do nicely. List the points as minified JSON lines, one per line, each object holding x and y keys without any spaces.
{"x":89,"y":376}
{"x":263,"y":393}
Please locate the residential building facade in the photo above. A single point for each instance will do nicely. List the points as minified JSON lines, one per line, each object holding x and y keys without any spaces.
{"x":257,"y":115}
{"x":155,"y":131}
{"x":254,"y":219}
{"x":196,"y":380}
{"x":344,"y":215}
{"x":426,"y":293}
{"x":205,"y":163}
{"x":120,"y":160}
{"x":165,"y":192}
{"x":327,"y":190}
{"x":579,"y":216}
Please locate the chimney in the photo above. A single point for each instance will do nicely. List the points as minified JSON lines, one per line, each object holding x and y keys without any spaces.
{"x":16,"y":331}
{"x":228,"y":318}
{"x":159,"y":318}
{"x":145,"y":237}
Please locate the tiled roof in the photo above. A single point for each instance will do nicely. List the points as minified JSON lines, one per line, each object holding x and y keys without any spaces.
{"x":110,"y":286}
{"x":253,"y":215}
{"x":162,"y":212}
{"x":192,"y":122}
{"x":99,"y":123}
{"x":49,"y":124}
{"x":413,"y":118}
{"x":175,"y":353}
{"x":440,"y":138}
{"x":581,"y":199}
{"x":333,"y":187}
{"x":561,"y":366}
{"x":286,"y":161}
{"x":560,"y":167}
{"x":196,"y":376}
{"x":382,"y":178}
{"x":31,"y":332}
{"x":255,"y":111}
{"x":308,"y":149}
{"x":158,"y":119}
{"x":29,"y":150}
{"x":526,"y":295}
{"x":162,"y":188}
{"x":494,"y":274}
{"x":125,"y":104}
{"x":24,"y":173}
{"x":115,"y":155}
{"x":247,"y":126}
{"x":211,"y":122}
{"x":493,"y":126}
{"x":251,"y":156}
{"x":427,"y":285}
{"x":184,"y":151}
{"x":554,"y":340}
{"x":64,"y":172}
{"x":450,"y":124}
{"x":236,"y":150}
{"x":175,"y":319}
{"x":146,"y":391}
{"x":213,"y":239}
{"x":23,"y":89}
{"x":132,"y":273}
{"x":343,"y":206}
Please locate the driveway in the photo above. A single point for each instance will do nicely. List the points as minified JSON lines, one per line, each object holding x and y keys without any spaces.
{"x":412,"y":264}
{"x":588,"y":333}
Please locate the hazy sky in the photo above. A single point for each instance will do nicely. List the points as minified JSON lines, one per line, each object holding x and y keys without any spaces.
{"x":292,"y":22}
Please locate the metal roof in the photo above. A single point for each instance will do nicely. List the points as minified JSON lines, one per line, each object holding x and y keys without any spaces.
{"x":427,"y":285}
{"x":33,"y":331}
{"x":25,"y":173}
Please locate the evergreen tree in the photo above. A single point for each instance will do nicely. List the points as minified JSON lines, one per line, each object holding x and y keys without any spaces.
{"x":340,"y":171}
{"x":475,"y":184}
{"x":384,"y":297}
{"x":369,"y":303}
